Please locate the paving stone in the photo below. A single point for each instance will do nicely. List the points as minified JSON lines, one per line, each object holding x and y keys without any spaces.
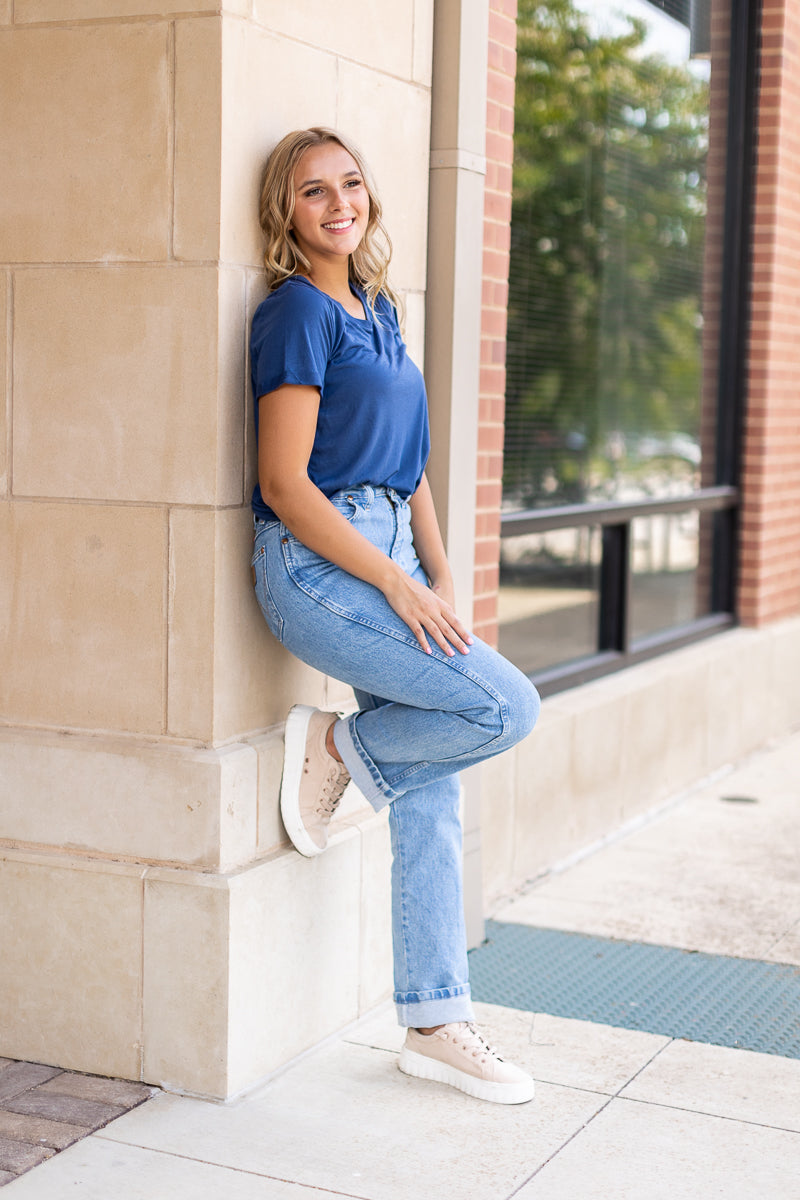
{"x":6,"y":1062}
{"x":39,"y":1132}
{"x":17,"y":1157}
{"x":92,"y":1087}
{"x":21,"y":1076}
{"x":6,"y":1177}
{"x":68,"y":1109}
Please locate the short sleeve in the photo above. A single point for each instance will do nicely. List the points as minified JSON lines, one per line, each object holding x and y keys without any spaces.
{"x":292,"y":338}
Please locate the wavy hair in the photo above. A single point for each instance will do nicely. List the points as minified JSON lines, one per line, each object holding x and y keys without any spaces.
{"x":369,"y":264}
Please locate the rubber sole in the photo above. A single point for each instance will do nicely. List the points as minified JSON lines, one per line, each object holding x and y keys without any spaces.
{"x":294,"y":753}
{"x":419,"y":1065}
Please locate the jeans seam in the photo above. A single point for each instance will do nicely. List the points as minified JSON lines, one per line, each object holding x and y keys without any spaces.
{"x":260,"y":560}
{"x":403,"y":921}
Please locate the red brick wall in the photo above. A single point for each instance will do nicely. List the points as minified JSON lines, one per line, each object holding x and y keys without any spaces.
{"x":496,"y":240}
{"x":770,"y":564}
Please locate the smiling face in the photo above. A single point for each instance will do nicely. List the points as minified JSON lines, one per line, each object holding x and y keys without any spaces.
{"x":331,"y":204}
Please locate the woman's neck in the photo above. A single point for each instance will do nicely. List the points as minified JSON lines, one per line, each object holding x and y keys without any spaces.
{"x":335,"y":282}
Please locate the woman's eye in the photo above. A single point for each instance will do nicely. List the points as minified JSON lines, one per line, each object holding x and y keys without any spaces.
{"x":313,"y":191}
{"x":353,"y":183}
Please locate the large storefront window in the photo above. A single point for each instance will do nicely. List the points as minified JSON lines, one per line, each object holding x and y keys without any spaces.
{"x":620,"y":232}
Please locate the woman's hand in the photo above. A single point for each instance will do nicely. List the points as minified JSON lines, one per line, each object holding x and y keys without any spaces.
{"x":428,"y":611}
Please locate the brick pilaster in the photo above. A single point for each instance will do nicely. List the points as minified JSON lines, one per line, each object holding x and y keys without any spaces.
{"x":496,"y":243}
{"x":770,"y":533}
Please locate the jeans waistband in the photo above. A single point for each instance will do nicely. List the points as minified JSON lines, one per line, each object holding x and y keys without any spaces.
{"x":363,"y":494}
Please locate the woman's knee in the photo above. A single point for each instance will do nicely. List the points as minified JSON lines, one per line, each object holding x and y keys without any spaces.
{"x":514,"y":707}
{"x":522,"y":705}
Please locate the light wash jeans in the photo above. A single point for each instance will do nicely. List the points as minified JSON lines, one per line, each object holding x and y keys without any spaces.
{"x":421,"y":719}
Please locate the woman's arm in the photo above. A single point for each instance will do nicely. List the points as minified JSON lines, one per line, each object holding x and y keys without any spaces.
{"x":287,"y":425}
{"x":428,"y":542}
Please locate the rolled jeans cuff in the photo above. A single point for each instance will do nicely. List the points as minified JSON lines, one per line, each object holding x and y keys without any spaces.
{"x":363,"y":772}
{"x":421,"y":1010}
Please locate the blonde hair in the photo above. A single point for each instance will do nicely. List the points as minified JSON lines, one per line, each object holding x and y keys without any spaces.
{"x":369,"y":264}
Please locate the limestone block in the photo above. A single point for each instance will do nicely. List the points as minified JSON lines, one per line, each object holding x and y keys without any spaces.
{"x":94,"y":102}
{"x":294,"y":955}
{"x":544,"y":803}
{"x":256,"y":680}
{"x":126,"y":799}
{"x":227,"y":673}
{"x":423,"y":42}
{"x":369,"y":102}
{"x":198,"y":138}
{"x":739,"y":716}
{"x":785,"y":674}
{"x":270,"y":86}
{"x":686,"y":691}
{"x":498,"y":783}
{"x":378,"y":35}
{"x":598,"y":712}
{"x":74,"y":10}
{"x":123,"y":406}
{"x":190,"y":671}
{"x":5,"y":337}
{"x":186,"y":990}
{"x":269,"y":751}
{"x":83,"y":645}
{"x":647,"y":737}
{"x":71,"y":977}
{"x":233,"y":386}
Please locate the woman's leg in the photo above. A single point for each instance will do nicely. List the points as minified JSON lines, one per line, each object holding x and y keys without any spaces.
{"x":431,"y":974}
{"x":441,"y":713}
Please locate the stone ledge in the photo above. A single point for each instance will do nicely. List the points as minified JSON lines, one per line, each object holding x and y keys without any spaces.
{"x":128,"y":799}
{"x":614,"y":749}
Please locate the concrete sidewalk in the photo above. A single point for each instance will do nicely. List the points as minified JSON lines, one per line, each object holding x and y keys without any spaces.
{"x":620,"y":1113}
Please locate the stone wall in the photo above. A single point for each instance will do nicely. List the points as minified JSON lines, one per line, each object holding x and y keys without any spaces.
{"x":161,"y":927}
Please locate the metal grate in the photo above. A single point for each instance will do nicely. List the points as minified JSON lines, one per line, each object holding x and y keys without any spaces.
{"x":735,"y":1002}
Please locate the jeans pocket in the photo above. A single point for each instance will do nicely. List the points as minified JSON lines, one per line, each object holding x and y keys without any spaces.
{"x":263,"y":594}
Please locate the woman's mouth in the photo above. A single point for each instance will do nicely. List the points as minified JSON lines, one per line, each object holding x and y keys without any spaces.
{"x":334,"y":226}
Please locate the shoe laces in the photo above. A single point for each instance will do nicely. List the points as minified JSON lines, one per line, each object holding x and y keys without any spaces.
{"x":332,"y":789}
{"x":468,"y":1036}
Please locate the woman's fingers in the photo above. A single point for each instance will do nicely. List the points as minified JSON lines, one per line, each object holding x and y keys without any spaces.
{"x":429,"y":617}
{"x":447,"y":636}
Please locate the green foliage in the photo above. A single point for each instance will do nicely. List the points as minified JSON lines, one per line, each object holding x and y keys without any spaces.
{"x":607,"y":237}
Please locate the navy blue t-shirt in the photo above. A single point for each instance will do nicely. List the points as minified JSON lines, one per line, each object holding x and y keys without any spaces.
{"x":372,"y":425}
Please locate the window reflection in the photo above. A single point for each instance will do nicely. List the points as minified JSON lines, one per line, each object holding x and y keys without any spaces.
{"x":668,"y":587}
{"x":548,"y":600}
{"x":614,"y":294}
{"x":615,"y":253}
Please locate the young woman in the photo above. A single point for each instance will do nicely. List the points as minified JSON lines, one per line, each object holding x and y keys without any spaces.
{"x":352,"y":577}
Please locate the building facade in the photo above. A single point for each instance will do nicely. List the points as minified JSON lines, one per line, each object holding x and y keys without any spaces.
{"x":156,"y":924}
